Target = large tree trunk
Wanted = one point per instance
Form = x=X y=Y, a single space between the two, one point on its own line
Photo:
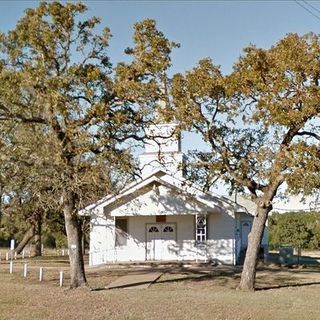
x=25 y=240
x=84 y=232
x=1 y=195
x=73 y=228
x=83 y=241
x=37 y=235
x=248 y=275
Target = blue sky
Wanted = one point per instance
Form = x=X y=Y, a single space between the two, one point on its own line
x=216 y=29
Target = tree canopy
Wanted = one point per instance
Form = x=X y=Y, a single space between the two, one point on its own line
x=75 y=113
x=69 y=118
x=261 y=124
x=295 y=228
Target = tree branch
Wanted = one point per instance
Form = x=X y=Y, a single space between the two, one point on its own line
x=307 y=133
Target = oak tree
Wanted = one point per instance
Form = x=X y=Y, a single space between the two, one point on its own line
x=56 y=75
x=261 y=124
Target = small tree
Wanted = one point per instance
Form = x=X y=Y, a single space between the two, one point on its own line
x=56 y=75
x=257 y=122
x=295 y=228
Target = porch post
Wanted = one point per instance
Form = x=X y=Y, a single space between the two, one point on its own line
x=195 y=236
x=115 y=236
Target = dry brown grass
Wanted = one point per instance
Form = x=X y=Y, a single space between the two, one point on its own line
x=181 y=293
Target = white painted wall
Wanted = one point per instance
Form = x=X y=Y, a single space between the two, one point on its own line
x=101 y=238
x=221 y=232
x=219 y=245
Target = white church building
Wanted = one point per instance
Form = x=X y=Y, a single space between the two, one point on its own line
x=163 y=217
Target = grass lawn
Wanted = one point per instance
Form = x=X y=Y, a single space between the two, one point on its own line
x=182 y=292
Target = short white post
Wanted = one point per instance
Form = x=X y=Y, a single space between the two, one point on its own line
x=15 y=255
x=41 y=274
x=63 y=252
x=7 y=256
x=25 y=270
x=11 y=267
x=61 y=279
x=23 y=254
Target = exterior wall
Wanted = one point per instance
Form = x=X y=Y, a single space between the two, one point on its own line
x=219 y=246
x=101 y=238
x=221 y=232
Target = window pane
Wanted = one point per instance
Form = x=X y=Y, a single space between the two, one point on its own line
x=121 y=231
x=201 y=223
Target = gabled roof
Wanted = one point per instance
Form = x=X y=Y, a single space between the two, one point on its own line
x=161 y=177
x=242 y=204
x=113 y=197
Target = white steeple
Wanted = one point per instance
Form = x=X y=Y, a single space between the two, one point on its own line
x=162 y=150
x=162 y=147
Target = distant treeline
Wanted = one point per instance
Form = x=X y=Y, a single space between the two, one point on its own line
x=296 y=229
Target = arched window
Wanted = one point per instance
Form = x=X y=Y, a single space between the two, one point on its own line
x=167 y=229
x=153 y=229
x=201 y=229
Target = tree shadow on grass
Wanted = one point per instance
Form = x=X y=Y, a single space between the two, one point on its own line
x=295 y=259
x=182 y=275
x=292 y=285
x=186 y=278
x=268 y=277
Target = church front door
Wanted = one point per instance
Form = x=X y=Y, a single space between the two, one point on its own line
x=160 y=241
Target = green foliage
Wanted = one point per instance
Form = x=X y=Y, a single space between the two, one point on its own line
x=261 y=126
x=295 y=228
x=73 y=114
x=261 y=122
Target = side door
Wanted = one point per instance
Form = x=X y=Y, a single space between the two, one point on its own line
x=245 y=230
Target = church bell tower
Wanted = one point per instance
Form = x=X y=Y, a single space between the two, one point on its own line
x=162 y=150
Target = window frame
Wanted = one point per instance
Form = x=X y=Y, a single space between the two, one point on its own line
x=201 y=231
x=121 y=235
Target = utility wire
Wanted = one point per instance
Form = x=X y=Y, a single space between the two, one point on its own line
x=311 y=6
x=307 y=9
x=297 y=210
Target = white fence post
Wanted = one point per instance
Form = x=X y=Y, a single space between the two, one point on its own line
x=25 y=270
x=61 y=279
x=41 y=274
x=23 y=254
x=11 y=267
x=7 y=256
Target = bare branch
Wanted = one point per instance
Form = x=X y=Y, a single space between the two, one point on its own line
x=308 y=133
